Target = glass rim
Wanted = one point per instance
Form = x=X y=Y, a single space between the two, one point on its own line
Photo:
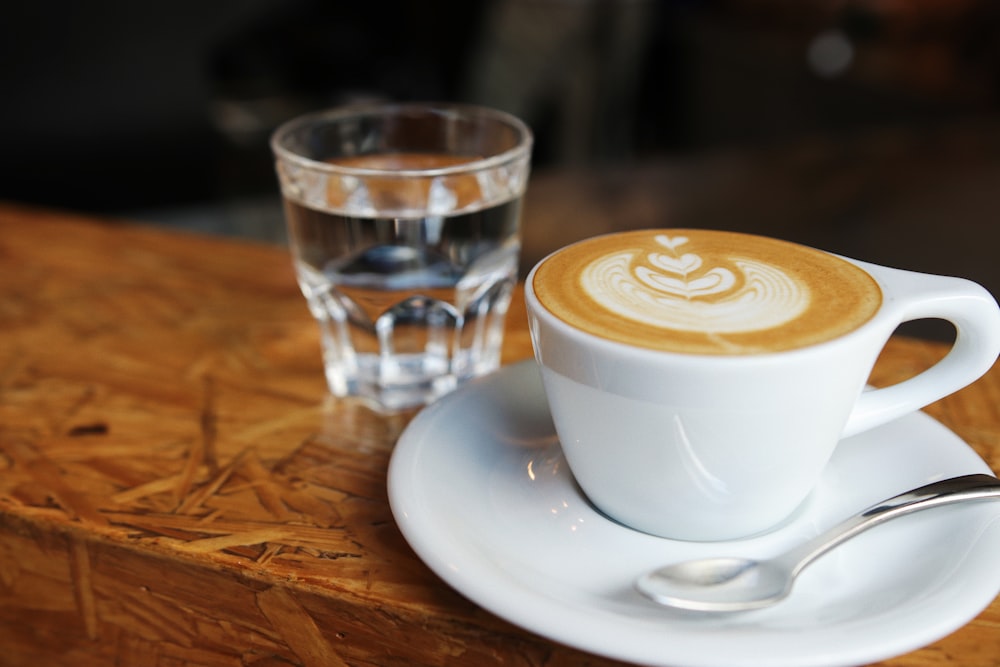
x=521 y=149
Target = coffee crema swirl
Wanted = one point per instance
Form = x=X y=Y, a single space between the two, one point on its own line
x=705 y=292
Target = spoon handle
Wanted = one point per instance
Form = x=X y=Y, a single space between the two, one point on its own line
x=944 y=492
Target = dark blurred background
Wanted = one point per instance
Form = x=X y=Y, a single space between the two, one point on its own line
x=868 y=127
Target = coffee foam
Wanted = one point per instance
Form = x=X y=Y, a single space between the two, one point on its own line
x=705 y=292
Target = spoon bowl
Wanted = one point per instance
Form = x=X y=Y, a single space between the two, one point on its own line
x=729 y=584
x=718 y=584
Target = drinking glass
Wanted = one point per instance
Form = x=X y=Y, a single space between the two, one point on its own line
x=403 y=222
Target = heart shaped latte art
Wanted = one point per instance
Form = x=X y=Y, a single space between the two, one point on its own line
x=683 y=266
x=713 y=302
x=715 y=281
x=672 y=242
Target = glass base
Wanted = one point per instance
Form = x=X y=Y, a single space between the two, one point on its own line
x=402 y=381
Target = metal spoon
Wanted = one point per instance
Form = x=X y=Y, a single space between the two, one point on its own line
x=738 y=584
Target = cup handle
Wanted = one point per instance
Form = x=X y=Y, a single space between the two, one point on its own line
x=976 y=317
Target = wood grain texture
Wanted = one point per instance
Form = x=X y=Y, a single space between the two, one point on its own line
x=177 y=487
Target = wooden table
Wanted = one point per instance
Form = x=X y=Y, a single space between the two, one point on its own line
x=177 y=488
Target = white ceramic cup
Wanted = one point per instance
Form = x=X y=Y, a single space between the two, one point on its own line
x=698 y=446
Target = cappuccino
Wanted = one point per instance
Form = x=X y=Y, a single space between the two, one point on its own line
x=653 y=348
x=705 y=292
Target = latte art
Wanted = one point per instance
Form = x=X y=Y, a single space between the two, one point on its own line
x=671 y=290
x=705 y=292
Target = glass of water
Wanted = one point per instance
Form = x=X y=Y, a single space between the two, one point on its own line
x=403 y=222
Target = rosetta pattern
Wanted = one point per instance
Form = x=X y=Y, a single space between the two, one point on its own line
x=676 y=290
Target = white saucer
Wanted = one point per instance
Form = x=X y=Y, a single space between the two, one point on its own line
x=480 y=490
